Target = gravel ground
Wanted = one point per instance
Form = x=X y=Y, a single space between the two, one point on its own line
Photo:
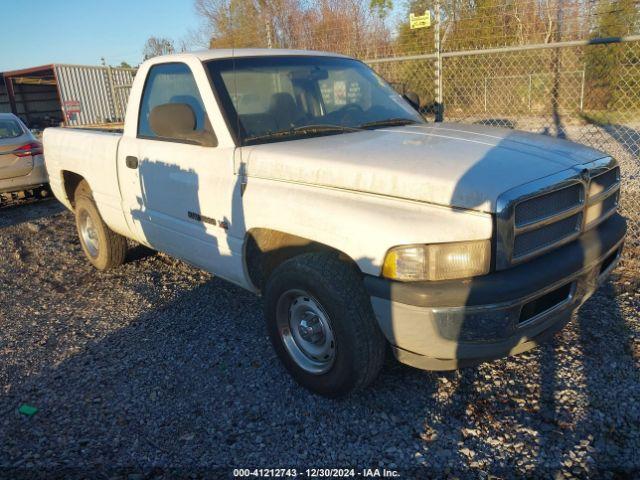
x=158 y=368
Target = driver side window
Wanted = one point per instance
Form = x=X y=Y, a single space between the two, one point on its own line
x=171 y=84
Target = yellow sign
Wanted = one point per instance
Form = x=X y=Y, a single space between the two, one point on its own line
x=420 y=21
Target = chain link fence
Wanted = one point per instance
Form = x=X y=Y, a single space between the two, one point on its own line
x=553 y=89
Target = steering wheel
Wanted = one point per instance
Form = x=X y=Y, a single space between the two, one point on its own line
x=347 y=111
x=350 y=106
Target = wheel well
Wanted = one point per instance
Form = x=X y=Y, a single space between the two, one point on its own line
x=71 y=181
x=265 y=249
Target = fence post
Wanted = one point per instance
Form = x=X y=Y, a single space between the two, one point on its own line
x=114 y=100
x=267 y=26
x=485 y=94
x=584 y=74
x=530 y=92
x=438 y=65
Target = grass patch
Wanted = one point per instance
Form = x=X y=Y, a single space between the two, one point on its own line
x=603 y=117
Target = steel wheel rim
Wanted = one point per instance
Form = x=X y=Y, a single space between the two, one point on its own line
x=89 y=234
x=306 y=331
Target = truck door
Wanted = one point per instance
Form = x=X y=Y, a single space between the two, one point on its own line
x=177 y=180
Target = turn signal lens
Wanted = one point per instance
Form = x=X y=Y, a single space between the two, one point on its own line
x=439 y=261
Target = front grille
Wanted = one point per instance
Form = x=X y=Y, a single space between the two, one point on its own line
x=544 y=206
x=543 y=237
x=609 y=204
x=604 y=181
x=542 y=215
x=603 y=196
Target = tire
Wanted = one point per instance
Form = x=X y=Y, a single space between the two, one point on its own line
x=104 y=248
x=329 y=296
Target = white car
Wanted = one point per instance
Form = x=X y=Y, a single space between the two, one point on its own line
x=306 y=178
x=22 y=166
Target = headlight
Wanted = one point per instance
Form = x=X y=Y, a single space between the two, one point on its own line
x=439 y=261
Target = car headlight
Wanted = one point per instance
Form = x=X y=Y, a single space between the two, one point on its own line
x=439 y=261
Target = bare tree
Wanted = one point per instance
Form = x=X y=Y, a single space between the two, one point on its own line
x=156 y=46
x=348 y=26
x=194 y=39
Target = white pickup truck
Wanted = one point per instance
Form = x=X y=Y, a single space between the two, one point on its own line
x=305 y=177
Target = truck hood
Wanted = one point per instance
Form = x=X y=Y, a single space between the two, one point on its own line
x=463 y=166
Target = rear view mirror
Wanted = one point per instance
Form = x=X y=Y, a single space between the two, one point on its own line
x=177 y=121
x=414 y=99
x=312 y=74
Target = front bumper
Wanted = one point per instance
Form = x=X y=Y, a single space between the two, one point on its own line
x=36 y=178
x=455 y=323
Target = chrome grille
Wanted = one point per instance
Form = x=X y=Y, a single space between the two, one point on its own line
x=538 y=208
x=533 y=240
x=604 y=181
x=610 y=203
x=601 y=208
x=547 y=213
x=604 y=190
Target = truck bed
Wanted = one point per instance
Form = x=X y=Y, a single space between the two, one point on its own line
x=102 y=127
x=91 y=154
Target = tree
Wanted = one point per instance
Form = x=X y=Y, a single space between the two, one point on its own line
x=125 y=65
x=345 y=26
x=381 y=7
x=249 y=23
x=156 y=46
x=604 y=79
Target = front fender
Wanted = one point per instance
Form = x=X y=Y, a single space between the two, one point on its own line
x=363 y=226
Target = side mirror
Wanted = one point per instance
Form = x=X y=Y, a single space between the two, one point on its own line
x=177 y=121
x=414 y=99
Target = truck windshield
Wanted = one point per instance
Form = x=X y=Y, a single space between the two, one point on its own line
x=268 y=99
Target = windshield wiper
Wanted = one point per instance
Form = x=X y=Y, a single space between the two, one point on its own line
x=302 y=130
x=389 y=122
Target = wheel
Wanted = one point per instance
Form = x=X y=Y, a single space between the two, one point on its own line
x=322 y=326
x=104 y=248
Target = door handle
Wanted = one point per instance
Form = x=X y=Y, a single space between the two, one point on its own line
x=132 y=162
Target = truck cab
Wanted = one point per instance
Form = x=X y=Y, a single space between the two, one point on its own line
x=305 y=178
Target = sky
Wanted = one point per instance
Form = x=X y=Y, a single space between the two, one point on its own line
x=40 y=32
